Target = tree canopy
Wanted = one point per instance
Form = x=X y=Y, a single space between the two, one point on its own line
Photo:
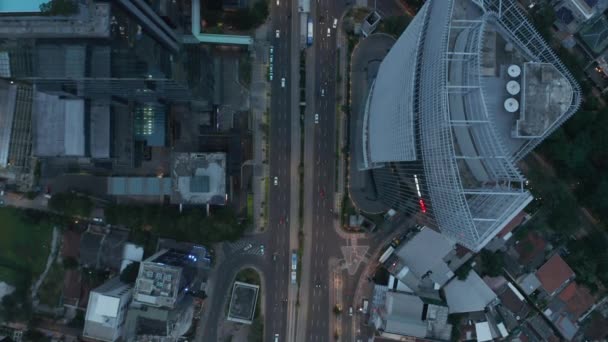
x=190 y=225
x=71 y=204
x=59 y=7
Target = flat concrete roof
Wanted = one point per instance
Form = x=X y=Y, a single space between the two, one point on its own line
x=242 y=303
x=547 y=95
x=199 y=178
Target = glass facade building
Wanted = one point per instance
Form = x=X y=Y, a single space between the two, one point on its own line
x=468 y=90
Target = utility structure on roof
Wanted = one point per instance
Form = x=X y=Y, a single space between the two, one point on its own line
x=469 y=89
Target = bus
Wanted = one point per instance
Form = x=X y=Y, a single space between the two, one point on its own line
x=309 y=32
x=386 y=254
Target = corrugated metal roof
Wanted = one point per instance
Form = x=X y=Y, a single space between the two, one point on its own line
x=139 y=186
x=199 y=184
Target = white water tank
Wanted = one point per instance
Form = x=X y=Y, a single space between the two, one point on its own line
x=513 y=87
x=514 y=70
x=511 y=105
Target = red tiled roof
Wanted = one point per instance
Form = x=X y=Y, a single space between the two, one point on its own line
x=530 y=247
x=554 y=273
x=70 y=243
x=71 y=285
x=578 y=299
x=515 y=222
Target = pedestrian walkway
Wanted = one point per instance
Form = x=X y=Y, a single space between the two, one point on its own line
x=49 y=262
x=259 y=97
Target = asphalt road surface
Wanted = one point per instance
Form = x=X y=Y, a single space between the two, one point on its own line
x=277 y=274
x=325 y=242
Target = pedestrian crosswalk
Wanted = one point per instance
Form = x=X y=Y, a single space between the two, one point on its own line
x=245 y=247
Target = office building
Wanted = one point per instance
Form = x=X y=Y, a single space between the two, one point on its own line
x=107 y=311
x=104 y=78
x=164 y=278
x=467 y=91
x=162 y=309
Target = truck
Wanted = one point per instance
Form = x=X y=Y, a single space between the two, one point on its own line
x=309 y=31
x=294 y=260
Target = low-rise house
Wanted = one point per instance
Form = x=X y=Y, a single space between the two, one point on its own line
x=554 y=275
x=512 y=299
x=530 y=251
x=529 y=283
x=568 y=307
x=102 y=247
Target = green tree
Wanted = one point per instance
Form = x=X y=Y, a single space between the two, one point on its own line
x=395 y=25
x=256 y=330
x=70 y=263
x=260 y=12
x=543 y=17
x=71 y=204
x=492 y=263
x=337 y=310
x=129 y=274
x=463 y=271
x=59 y=7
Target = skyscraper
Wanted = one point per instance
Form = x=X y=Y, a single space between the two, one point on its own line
x=468 y=90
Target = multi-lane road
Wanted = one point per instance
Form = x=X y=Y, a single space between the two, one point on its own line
x=280 y=292
x=320 y=151
x=310 y=319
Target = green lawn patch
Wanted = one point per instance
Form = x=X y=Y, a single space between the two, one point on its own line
x=51 y=288
x=25 y=243
x=250 y=206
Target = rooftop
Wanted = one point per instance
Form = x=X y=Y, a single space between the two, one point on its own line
x=243 y=302
x=59 y=126
x=139 y=186
x=578 y=299
x=529 y=283
x=162 y=277
x=408 y=315
x=199 y=178
x=530 y=248
x=104 y=314
x=469 y=295
x=547 y=95
x=91 y=21
x=424 y=255
x=512 y=299
x=595 y=33
x=554 y=273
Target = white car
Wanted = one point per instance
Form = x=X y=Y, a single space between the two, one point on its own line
x=277 y=33
x=283 y=82
x=276 y=336
x=335 y=23
x=322 y=92
x=316 y=118
x=271 y=59
x=328 y=32
x=248 y=247
x=277 y=2
x=276 y=180
x=293 y=277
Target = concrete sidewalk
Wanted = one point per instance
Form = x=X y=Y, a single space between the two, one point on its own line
x=260 y=100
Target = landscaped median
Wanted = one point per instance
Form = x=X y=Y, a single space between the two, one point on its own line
x=243 y=306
